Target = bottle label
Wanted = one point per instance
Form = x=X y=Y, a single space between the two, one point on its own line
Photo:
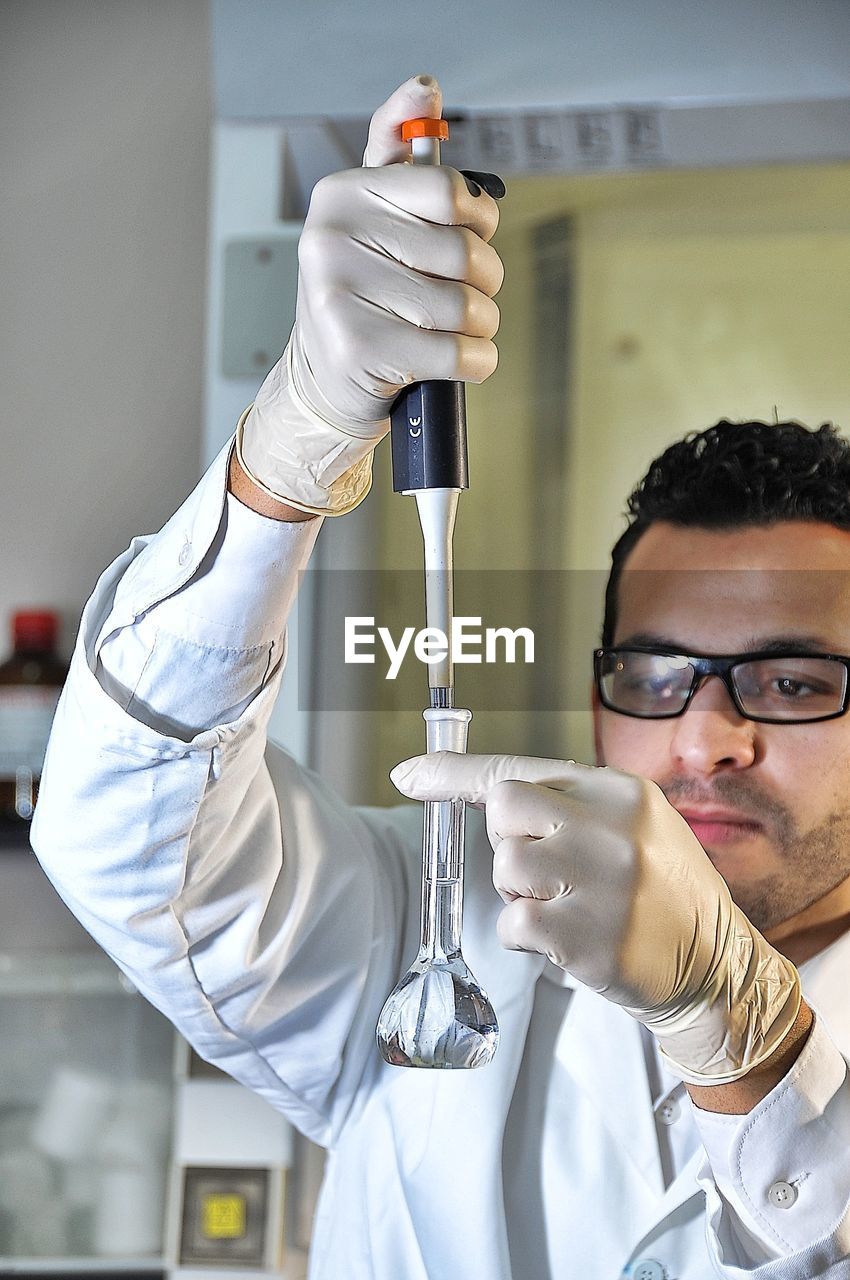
x=26 y=714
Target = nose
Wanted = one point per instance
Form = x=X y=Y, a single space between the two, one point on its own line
x=712 y=735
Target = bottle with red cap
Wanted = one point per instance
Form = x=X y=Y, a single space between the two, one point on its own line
x=30 y=682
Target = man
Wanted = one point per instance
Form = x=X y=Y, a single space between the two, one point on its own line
x=664 y=1102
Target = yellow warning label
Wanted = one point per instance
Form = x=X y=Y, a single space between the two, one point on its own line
x=223 y=1217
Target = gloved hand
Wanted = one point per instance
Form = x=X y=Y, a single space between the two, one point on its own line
x=395 y=285
x=604 y=877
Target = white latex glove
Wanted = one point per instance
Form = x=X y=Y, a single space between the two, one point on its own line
x=395 y=285
x=605 y=878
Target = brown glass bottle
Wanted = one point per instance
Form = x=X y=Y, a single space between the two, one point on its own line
x=30 y=683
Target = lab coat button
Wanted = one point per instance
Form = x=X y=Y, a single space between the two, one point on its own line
x=669 y=1111
x=185 y=553
x=782 y=1195
x=647 y=1269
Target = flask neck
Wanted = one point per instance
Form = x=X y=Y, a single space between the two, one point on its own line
x=442 y=879
x=442 y=916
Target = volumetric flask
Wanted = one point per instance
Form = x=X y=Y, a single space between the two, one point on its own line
x=437 y=1015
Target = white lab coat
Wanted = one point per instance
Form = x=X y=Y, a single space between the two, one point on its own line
x=269 y=921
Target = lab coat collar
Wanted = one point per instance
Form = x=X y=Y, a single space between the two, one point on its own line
x=822 y=978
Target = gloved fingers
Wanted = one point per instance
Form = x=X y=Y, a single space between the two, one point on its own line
x=448 y=253
x=526 y=924
x=447 y=775
x=391 y=352
x=473 y=359
x=525 y=809
x=333 y=266
x=479 y=265
x=446 y=306
x=525 y=867
x=417 y=98
x=446 y=357
x=424 y=302
x=366 y=199
x=435 y=193
x=368 y=275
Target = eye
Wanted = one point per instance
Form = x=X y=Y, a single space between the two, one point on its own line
x=815 y=681
x=660 y=685
x=788 y=687
x=652 y=675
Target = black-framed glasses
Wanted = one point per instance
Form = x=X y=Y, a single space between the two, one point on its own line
x=775 y=688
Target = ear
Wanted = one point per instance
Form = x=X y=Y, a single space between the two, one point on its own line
x=596 y=707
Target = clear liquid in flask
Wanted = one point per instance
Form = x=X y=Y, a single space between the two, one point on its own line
x=438 y=1016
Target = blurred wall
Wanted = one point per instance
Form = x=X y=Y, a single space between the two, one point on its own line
x=274 y=58
x=105 y=108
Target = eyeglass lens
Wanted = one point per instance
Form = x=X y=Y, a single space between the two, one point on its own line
x=776 y=688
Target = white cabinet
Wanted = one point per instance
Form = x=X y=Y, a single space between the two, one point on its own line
x=85 y=1117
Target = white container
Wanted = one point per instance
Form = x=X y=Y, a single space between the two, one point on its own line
x=129 y=1210
x=26 y=1179
x=72 y=1113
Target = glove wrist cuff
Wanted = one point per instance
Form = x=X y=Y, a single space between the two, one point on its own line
x=296 y=456
x=735 y=1029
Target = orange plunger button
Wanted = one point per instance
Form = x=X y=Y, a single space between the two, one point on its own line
x=425 y=128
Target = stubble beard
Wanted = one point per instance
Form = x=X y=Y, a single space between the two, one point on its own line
x=810 y=863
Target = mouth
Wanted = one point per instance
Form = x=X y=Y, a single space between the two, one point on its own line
x=720 y=826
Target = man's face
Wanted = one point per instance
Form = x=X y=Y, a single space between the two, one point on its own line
x=770 y=803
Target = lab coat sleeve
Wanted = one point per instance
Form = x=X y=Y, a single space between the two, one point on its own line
x=777 y=1181
x=246 y=901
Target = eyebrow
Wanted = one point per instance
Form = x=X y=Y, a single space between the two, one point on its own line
x=755 y=644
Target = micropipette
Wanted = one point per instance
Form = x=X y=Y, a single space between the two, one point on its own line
x=437 y=1015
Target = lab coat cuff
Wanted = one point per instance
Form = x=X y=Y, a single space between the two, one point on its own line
x=784 y=1169
x=156 y=565
x=102 y=720
x=240 y=596
x=218 y=573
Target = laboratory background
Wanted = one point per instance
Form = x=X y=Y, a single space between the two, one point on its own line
x=676 y=237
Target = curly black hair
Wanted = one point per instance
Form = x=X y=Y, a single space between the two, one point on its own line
x=734 y=475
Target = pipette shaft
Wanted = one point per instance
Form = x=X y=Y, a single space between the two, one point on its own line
x=429 y=461
x=437 y=1015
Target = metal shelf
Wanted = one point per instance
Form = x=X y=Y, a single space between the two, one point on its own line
x=82 y=1266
